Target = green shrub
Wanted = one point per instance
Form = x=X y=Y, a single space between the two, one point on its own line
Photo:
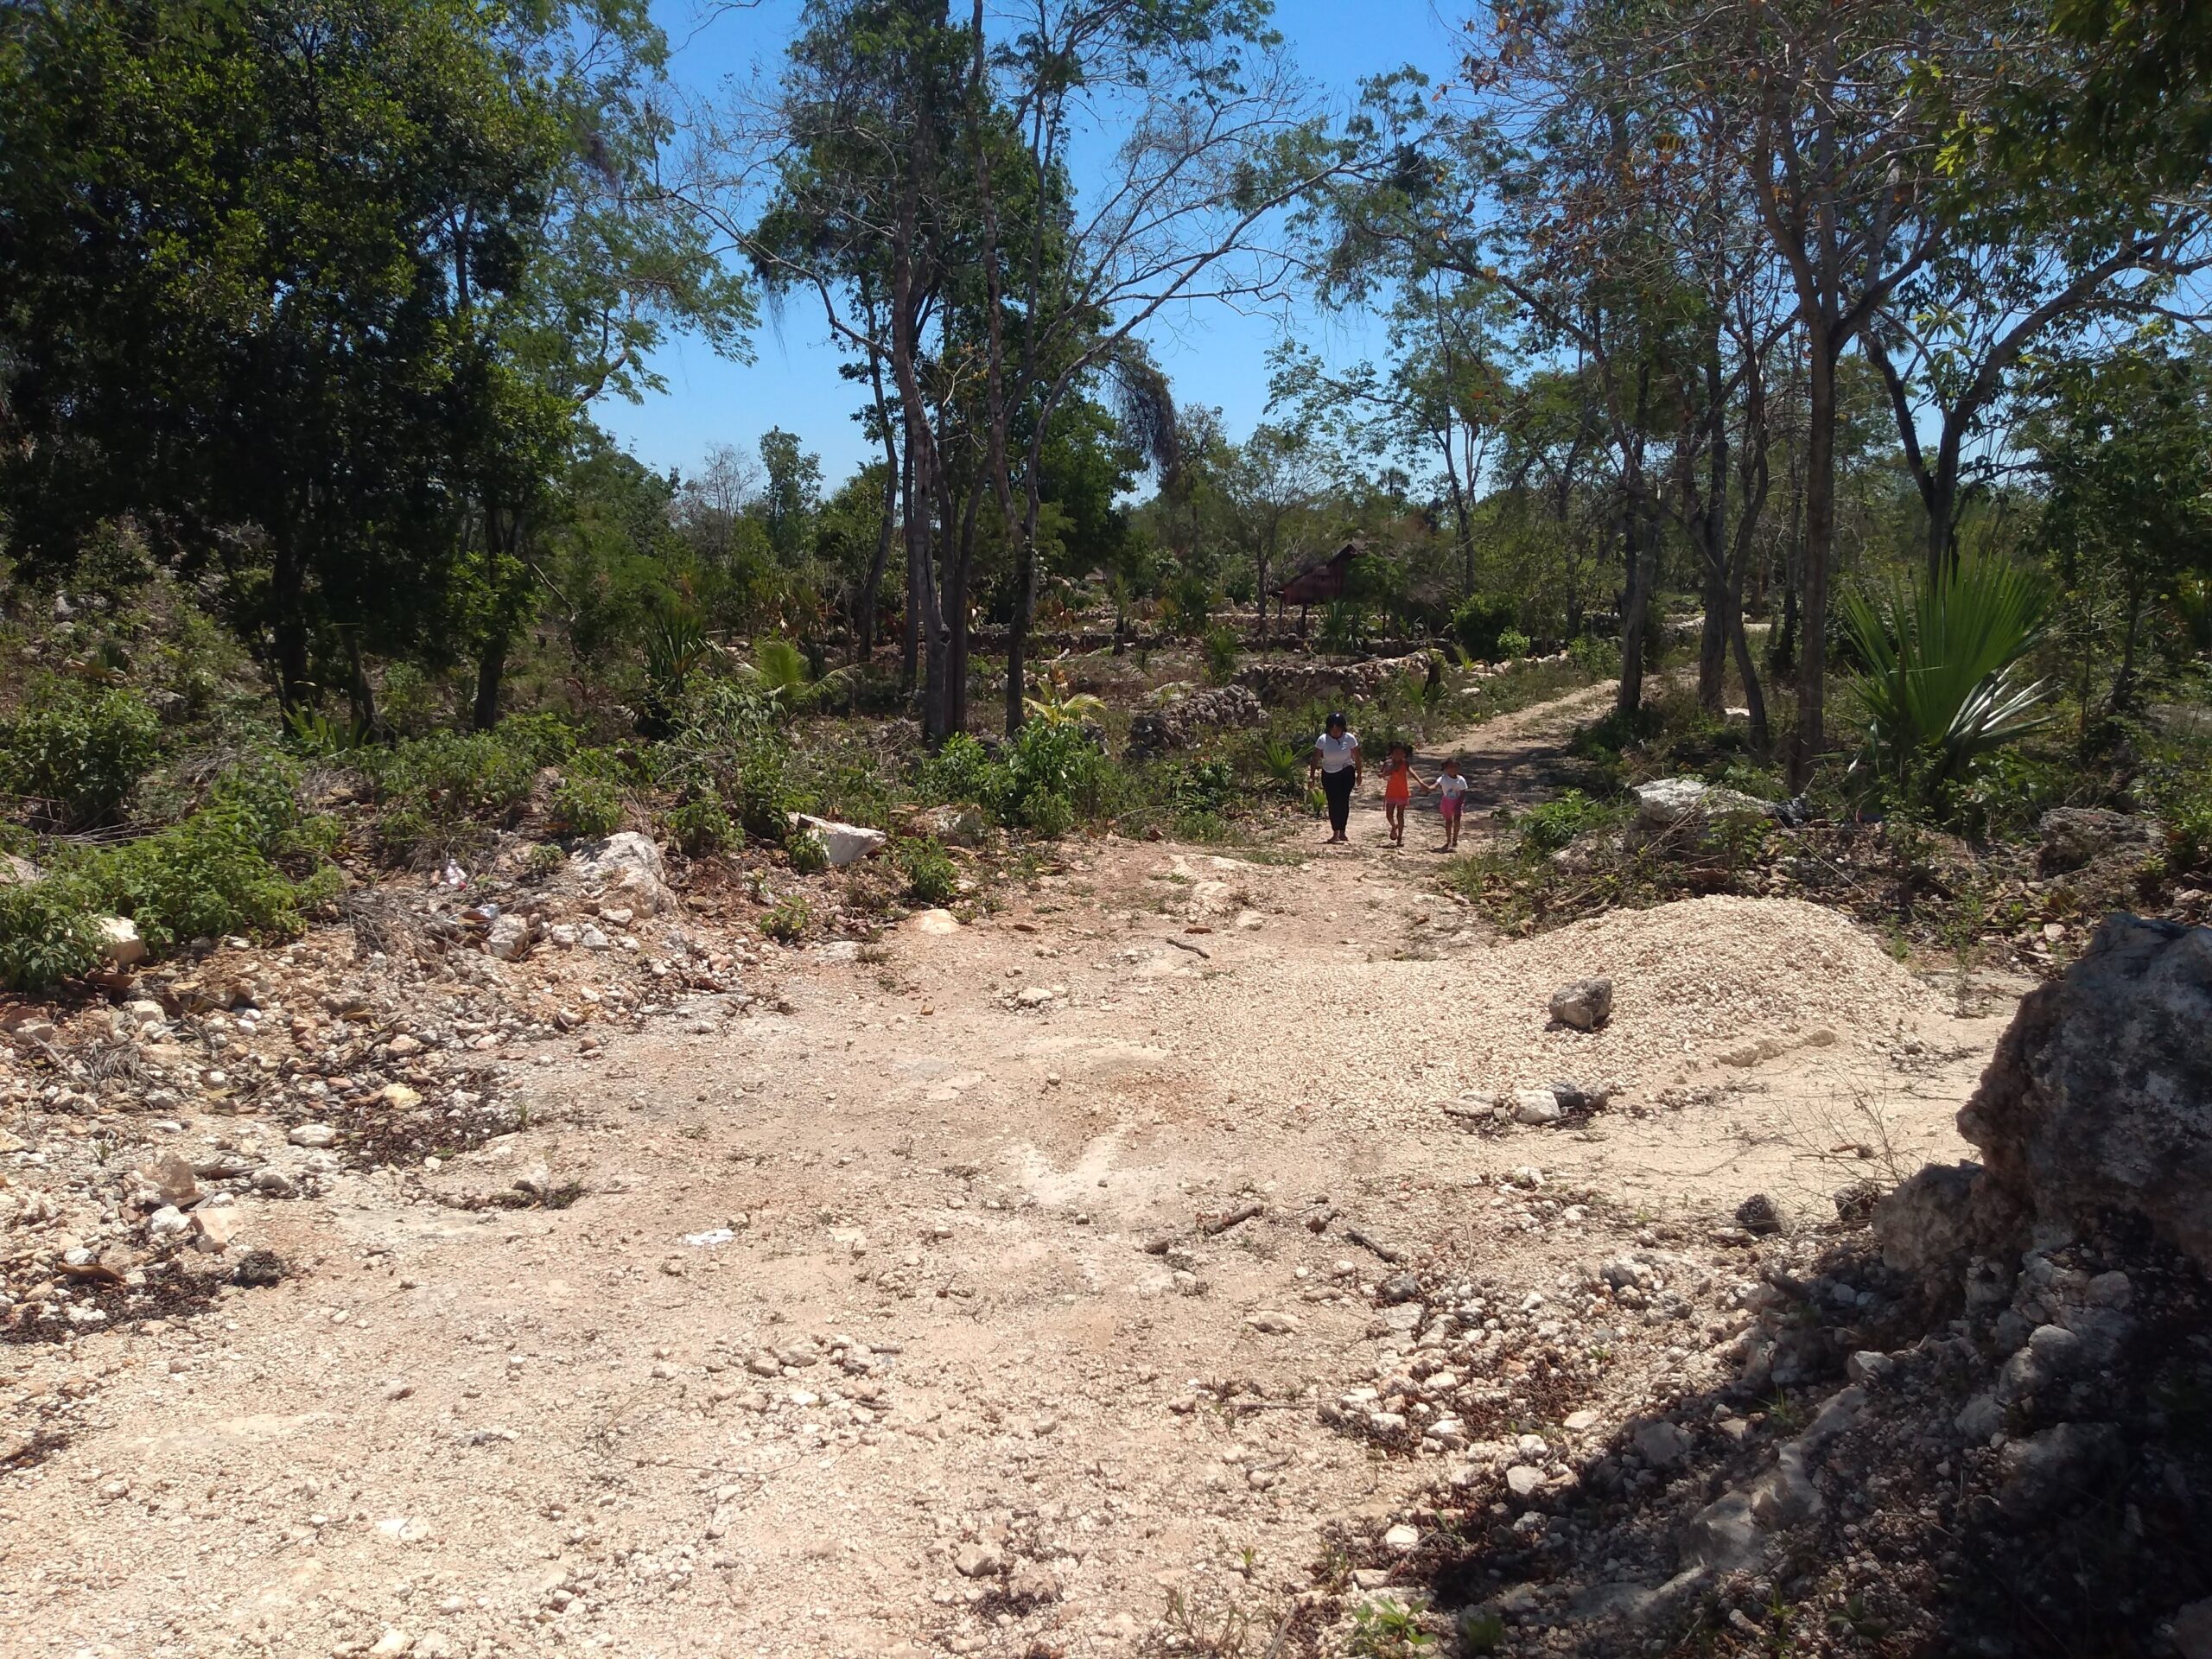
x=48 y=932
x=1053 y=759
x=214 y=873
x=1187 y=605
x=1547 y=828
x=761 y=794
x=728 y=742
x=1199 y=786
x=807 y=854
x=1221 y=655
x=1388 y=1629
x=961 y=770
x=787 y=920
x=1480 y=624
x=320 y=734
x=1048 y=812
x=2012 y=790
x=545 y=860
x=449 y=777
x=1514 y=642
x=1344 y=625
x=584 y=806
x=722 y=718
x=542 y=740
x=675 y=647
x=700 y=827
x=2176 y=785
x=932 y=877
x=83 y=752
x=1599 y=658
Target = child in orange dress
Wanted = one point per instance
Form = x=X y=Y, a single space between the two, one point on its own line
x=1398 y=781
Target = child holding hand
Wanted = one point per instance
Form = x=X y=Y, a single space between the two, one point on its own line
x=1398 y=780
x=1451 y=788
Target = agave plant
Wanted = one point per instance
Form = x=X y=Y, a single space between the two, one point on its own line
x=676 y=643
x=1285 y=764
x=1942 y=685
x=1343 y=624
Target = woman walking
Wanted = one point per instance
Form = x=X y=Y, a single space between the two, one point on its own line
x=1336 y=759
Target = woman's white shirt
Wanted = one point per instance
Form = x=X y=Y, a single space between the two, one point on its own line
x=1338 y=753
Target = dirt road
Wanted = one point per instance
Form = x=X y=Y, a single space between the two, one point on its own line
x=853 y=1343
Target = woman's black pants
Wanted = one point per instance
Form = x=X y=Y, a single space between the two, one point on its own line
x=1336 y=786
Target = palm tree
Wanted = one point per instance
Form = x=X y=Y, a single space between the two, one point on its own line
x=1943 y=686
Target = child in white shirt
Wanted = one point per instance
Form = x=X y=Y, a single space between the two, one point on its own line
x=1450 y=800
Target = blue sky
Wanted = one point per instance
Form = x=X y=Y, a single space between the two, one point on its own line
x=1215 y=356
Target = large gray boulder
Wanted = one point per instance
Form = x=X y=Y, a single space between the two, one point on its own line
x=625 y=869
x=2073 y=837
x=2099 y=1095
x=1665 y=802
x=1933 y=1222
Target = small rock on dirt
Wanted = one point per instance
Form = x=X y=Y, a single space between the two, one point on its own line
x=953 y=825
x=312 y=1136
x=171 y=1177
x=1661 y=1444
x=258 y=1268
x=212 y=1229
x=2072 y=836
x=1398 y=1287
x=1033 y=1585
x=119 y=942
x=2042 y=1471
x=978 y=1561
x=1536 y=1106
x=842 y=843
x=508 y=939
x=1756 y=1215
x=1583 y=1005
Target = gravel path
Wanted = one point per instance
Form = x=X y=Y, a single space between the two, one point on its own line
x=854 y=1343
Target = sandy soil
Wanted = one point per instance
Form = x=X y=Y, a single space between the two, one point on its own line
x=852 y=1345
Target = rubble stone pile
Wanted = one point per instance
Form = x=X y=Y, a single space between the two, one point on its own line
x=1302 y=681
x=1974 y=1424
x=1183 y=721
x=148 y=1135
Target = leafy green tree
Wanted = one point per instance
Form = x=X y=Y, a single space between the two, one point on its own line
x=791 y=495
x=2124 y=444
x=318 y=288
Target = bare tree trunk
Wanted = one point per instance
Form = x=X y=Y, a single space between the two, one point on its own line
x=287 y=590
x=956 y=613
x=491 y=677
x=361 y=695
x=1635 y=604
x=1820 y=543
x=864 y=618
x=910 y=643
x=1712 y=538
